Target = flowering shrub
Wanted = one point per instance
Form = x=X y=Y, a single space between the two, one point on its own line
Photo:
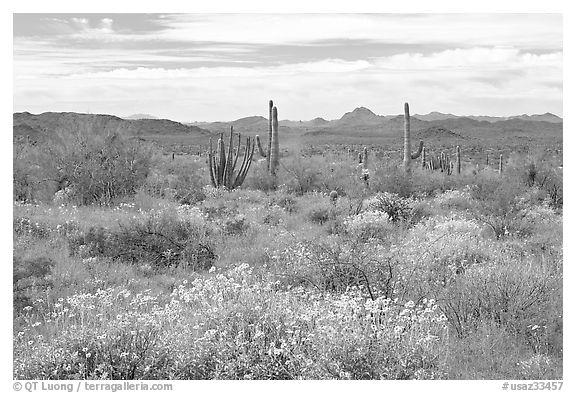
x=229 y=326
x=24 y=226
x=396 y=207
x=369 y=224
x=435 y=251
x=455 y=199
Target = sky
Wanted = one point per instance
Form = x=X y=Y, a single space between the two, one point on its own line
x=208 y=67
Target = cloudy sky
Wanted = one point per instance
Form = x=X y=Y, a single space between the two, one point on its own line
x=206 y=67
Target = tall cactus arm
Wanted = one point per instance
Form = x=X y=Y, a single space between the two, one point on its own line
x=244 y=161
x=237 y=152
x=270 y=113
x=418 y=152
x=260 y=150
x=211 y=164
x=218 y=181
x=221 y=159
x=248 y=155
x=228 y=173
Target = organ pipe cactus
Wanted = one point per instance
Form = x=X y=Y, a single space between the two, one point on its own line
x=222 y=165
x=440 y=162
x=408 y=155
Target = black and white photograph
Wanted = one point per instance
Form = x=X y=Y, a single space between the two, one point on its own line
x=287 y=196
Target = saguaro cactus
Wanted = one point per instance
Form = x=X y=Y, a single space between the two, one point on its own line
x=500 y=165
x=275 y=143
x=458 y=162
x=221 y=165
x=272 y=155
x=270 y=106
x=408 y=155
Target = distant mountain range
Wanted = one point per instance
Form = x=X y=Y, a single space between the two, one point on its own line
x=361 y=122
x=548 y=117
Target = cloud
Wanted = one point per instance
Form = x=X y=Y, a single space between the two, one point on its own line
x=521 y=30
x=190 y=67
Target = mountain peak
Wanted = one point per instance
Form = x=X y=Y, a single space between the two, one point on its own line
x=363 y=110
x=361 y=113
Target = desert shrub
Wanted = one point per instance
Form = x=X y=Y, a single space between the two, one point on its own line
x=96 y=241
x=25 y=226
x=274 y=215
x=160 y=240
x=319 y=214
x=340 y=175
x=317 y=208
x=513 y=295
x=23 y=179
x=435 y=252
x=181 y=180
x=259 y=178
x=235 y=226
x=421 y=210
x=389 y=177
x=535 y=170
x=96 y=169
x=553 y=184
x=395 y=207
x=30 y=176
x=493 y=352
x=339 y=262
x=454 y=200
x=30 y=276
x=286 y=202
x=303 y=175
x=369 y=225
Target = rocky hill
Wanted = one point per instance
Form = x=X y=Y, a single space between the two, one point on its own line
x=61 y=125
